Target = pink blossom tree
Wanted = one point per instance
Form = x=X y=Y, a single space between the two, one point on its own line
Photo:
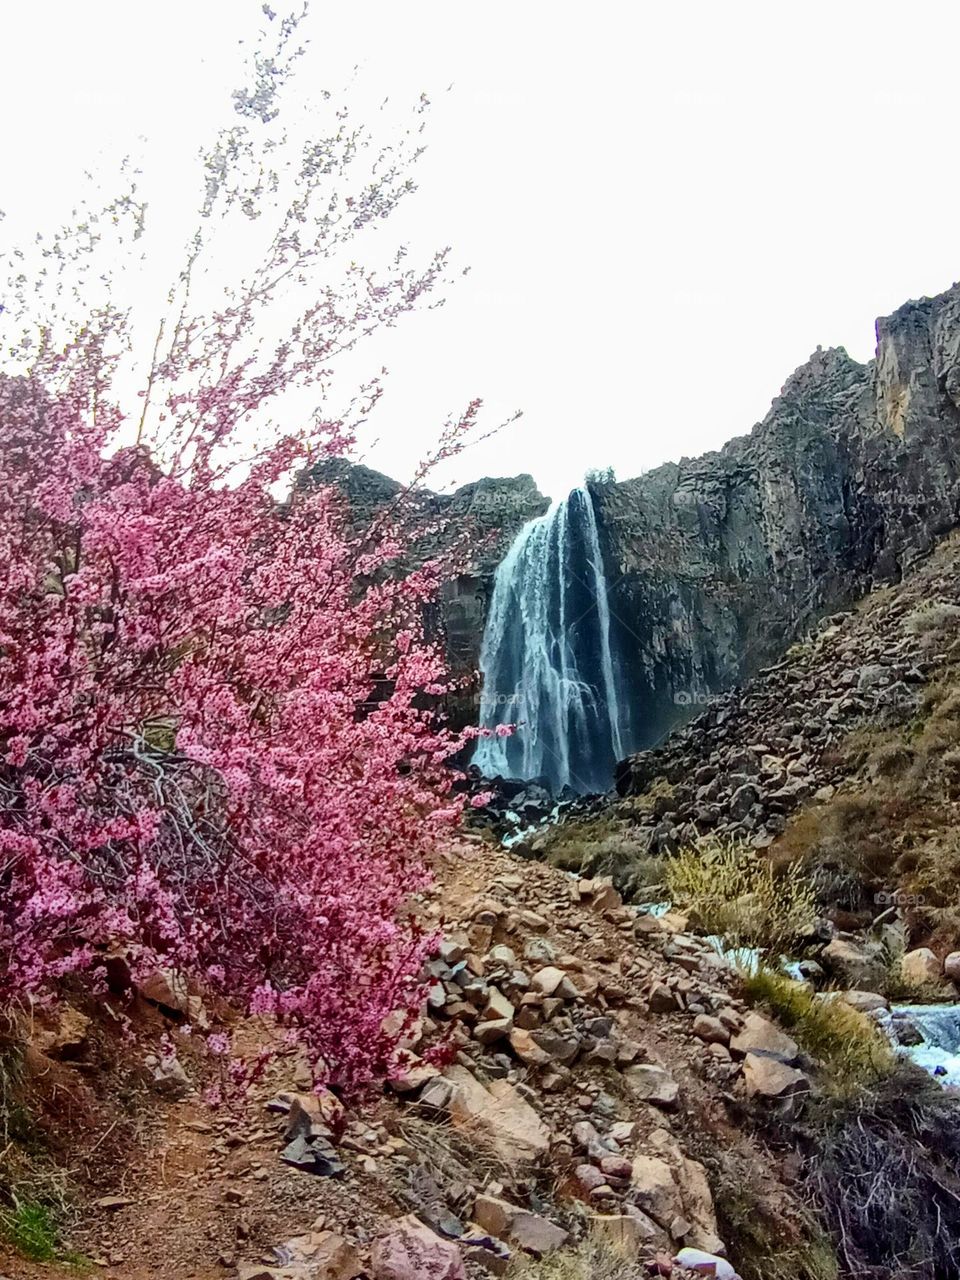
x=216 y=748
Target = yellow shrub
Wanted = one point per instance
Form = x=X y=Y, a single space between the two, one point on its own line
x=732 y=890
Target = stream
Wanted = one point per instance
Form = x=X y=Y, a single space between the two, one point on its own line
x=937 y=1030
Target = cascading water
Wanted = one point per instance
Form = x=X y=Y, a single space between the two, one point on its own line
x=934 y=1042
x=547 y=658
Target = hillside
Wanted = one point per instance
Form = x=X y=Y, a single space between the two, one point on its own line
x=605 y=1069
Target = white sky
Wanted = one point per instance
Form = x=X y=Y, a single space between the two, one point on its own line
x=665 y=207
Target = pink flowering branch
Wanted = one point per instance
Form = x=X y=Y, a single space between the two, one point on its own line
x=217 y=748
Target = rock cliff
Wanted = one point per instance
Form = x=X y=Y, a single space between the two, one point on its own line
x=717 y=563
x=490 y=512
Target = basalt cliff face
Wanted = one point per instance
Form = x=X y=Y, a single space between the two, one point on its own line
x=717 y=563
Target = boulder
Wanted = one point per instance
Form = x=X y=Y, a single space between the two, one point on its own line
x=559 y=1046
x=652 y=1084
x=323 y=1255
x=920 y=967
x=624 y=1233
x=412 y=1073
x=859 y=966
x=521 y=1227
x=616 y=1167
x=527 y=1050
x=864 y=1001
x=508 y=1120
x=313 y=1115
x=490 y=1032
x=772 y=1078
x=550 y=981
x=654 y=1188
x=951 y=966
x=661 y=999
x=698 y=1206
x=411 y=1251
x=710 y=1029
x=497 y=1005
x=588 y=1177
x=759 y=1035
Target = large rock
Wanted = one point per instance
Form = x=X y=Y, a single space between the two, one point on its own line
x=857 y=965
x=521 y=1227
x=920 y=967
x=625 y=1233
x=652 y=1084
x=864 y=1001
x=771 y=1078
x=760 y=1036
x=499 y=1111
x=321 y=1255
x=411 y=1251
x=698 y=1206
x=654 y=1188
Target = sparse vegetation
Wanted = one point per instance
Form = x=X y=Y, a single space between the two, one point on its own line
x=885 y=1170
x=775 y=1239
x=605 y=846
x=732 y=890
x=30 y=1228
x=588 y=1261
x=893 y=827
x=853 y=1054
x=933 y=615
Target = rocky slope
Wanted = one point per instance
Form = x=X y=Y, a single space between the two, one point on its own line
x=840 y=763
x=601 y=1066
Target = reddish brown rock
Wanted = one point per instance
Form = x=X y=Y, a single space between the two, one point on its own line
x=411 y=1251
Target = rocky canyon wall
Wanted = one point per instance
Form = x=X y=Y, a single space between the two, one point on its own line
x=717 y=563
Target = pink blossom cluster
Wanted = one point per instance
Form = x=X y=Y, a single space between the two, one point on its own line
x=216 y=748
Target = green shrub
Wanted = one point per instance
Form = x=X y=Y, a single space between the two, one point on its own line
x=732 y=890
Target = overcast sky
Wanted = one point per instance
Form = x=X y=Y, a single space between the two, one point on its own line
x=665 y=207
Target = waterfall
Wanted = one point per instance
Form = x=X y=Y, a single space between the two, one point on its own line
x=547 y=660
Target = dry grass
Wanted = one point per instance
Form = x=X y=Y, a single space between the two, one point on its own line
x=885 y=1170
x=895 y=826
x=732 y=890
x=590 y=1260
x=931 y=616
x=454 y=1153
